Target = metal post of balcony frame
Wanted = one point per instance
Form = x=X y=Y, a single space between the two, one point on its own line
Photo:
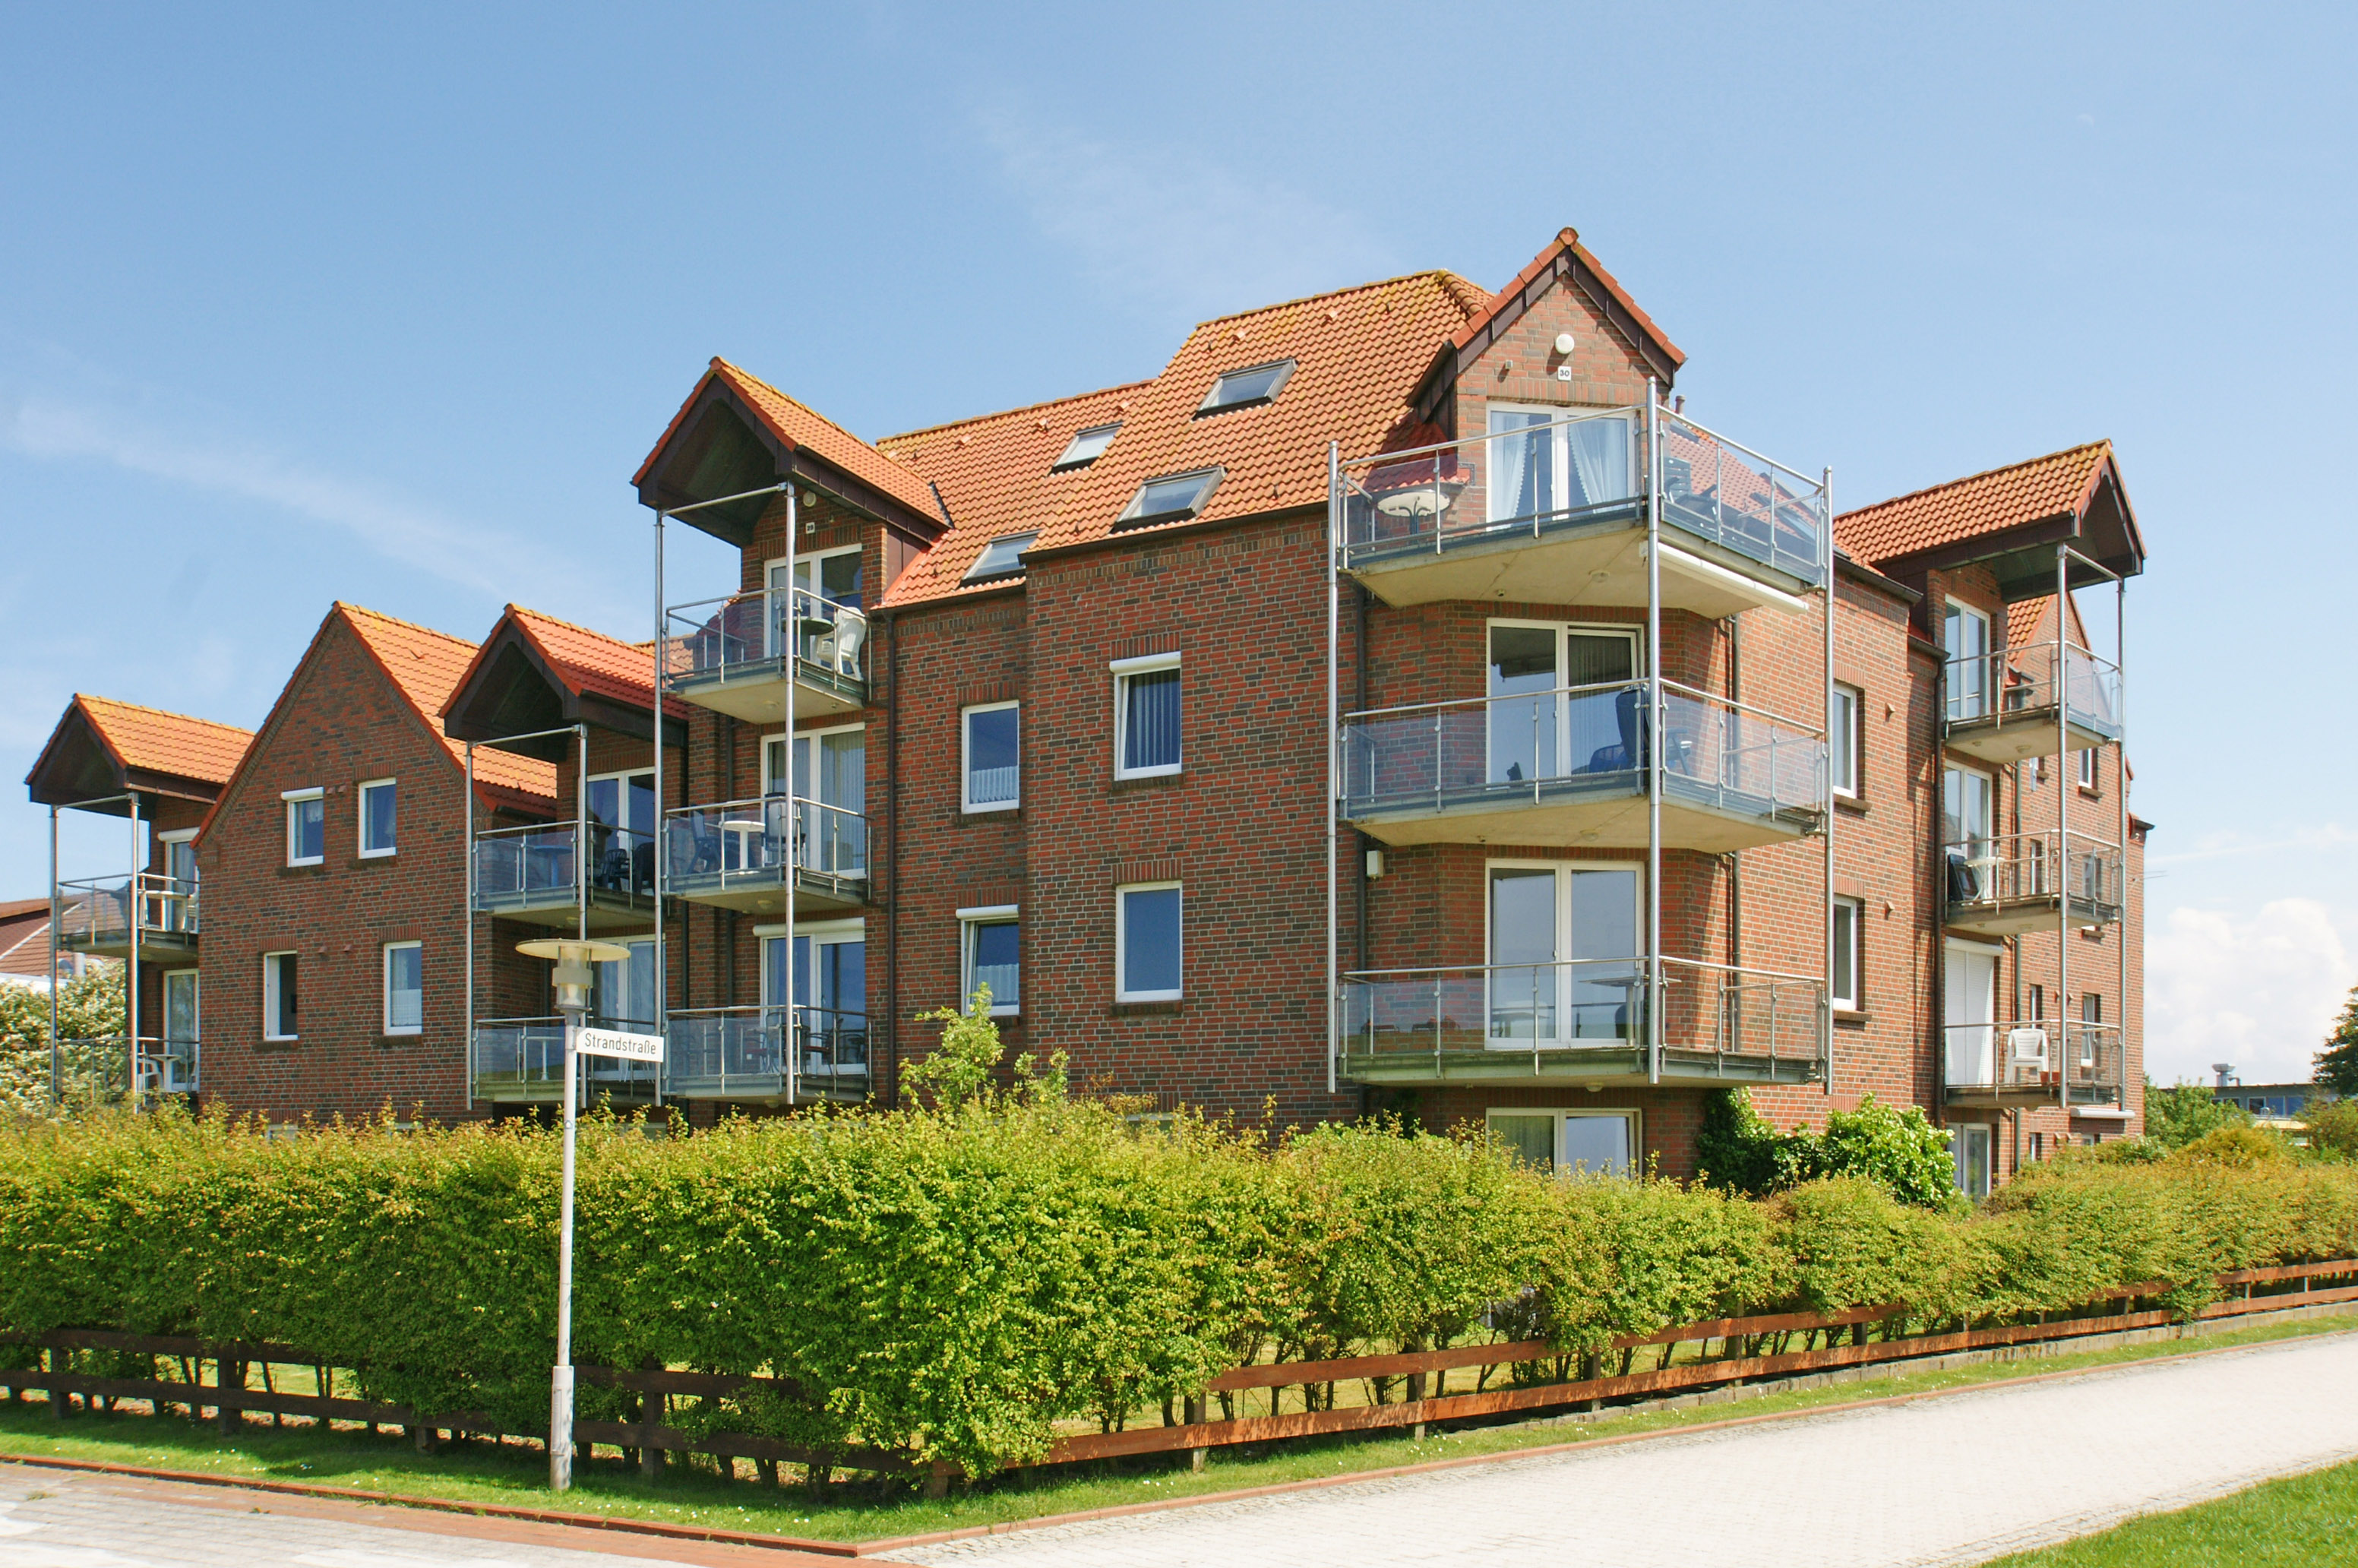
x=131 y=911
x=2121 y=789
x=1826 y=798
x=1334 y=748
x=580 y=733
x=1655 y=716
x=2066 y=780
x=56 y=1092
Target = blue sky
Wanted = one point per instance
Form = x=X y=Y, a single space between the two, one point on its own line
x=308 y=302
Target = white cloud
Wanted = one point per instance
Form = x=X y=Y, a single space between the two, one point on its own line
x=463 y=553
x=2259 y=990
x=1169 y=230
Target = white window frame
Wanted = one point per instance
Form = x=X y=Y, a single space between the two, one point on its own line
x=384 y=985
x=1122 y=942
x=294 y=797
x=966 y=765
x=978 y=916
x=1564 y=630
x=178 y=836
x=1560 y=419
x=1285 y=369
x=1123 y=669
x=1849 y=988
x=1985 y=701
x=1561 y=964
x=2086 y=771
x=1852 y=732
x=1988 y=834
x=1630 y=1114
x=271 y=998
x=1961 y=1134
x=196 y=1004
x=1066 y=459
x=360 y=825
x=771 y=745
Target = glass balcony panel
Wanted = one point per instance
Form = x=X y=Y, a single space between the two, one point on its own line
x=524 y=1058
x=756 y=840
x=98 y=913
x=746 y=1053
x=2035 y=1058
x=1535 y=471
x=746 y=633
x=1991 y=874
x=2009 y=683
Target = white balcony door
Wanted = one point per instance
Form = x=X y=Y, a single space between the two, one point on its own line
x=1535 y=731
x=1563 y=954
x=830 y=768
x=1969 y=1013
x=624 y=989
x=1965 y=634
x=1541 y=468
x=180 y=1021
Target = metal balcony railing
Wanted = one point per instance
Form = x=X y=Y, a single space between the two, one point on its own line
x=745 y=1052
x=2069 y=1059
x=753 y=842
x=2005 y=687
x=1557 y=745
x=1586 y=1004
x=524 y=1057
x=1588 y=467
x=743 y=635
x=98 y=1066
x=2024 y=868
x=536 y=866
x=98 y=912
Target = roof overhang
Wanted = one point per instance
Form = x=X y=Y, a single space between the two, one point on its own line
x=512 y=688
x=2102 y=528
x=77 y=767
x=721 y=445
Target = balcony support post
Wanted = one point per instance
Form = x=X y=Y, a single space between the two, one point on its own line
x=468 y=923
x=2121 y=836
x=655 y=698
x=1653 y=732
x=131 y=912
x=2066 y=777
x=1825 y=1008
x=1334 y=747
x=56 y=1096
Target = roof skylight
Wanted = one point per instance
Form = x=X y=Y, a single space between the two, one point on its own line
x=1246 y=388
x=1172 y=497
x=1003 y=557
x=1086 y=447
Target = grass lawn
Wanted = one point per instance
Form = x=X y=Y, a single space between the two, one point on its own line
x=2302 y=1519
x=514 y=1473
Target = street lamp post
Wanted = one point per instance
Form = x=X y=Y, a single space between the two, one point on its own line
x=572 y=978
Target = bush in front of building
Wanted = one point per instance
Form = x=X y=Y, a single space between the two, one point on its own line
x=89 y=1012
x=1897 y=1149
x=952 y=1281
x=2177 y=1116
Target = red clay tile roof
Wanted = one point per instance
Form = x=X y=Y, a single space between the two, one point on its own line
x=799 y=425
x=2059 y=485
x=1358 y=353
x=153 y=740
x=2031 y=620
x=1566 y=240
x=589 y=660
x=426 y=666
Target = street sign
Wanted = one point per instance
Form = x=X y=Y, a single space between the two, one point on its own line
x=614 y=1043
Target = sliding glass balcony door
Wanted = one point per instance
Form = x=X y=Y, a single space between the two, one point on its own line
x=1563 y=954
x=1543 y=721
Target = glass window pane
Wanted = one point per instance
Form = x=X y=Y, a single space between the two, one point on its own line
x=1842 y=727
x=404 y=988
x=1150 y=940
x=838 y=579
x=1003 y=557
x=1087 y=445
x=1522 y=953
x=1532 y=1138
x=1599 y=449
x=993 y=775
x=1150 y=729
x=180 y=1007
x=1845 y=954
x=377 y=816
x=1522 y=465
x=1605 y=986
x=310 y=835
x=992 y=960
x=1596 y=1145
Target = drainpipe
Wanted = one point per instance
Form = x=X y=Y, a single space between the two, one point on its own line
x=131 y=970
x=1653 y=732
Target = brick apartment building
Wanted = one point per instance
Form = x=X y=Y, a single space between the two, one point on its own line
x=1395 y=704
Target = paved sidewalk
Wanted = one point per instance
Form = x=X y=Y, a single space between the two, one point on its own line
x=1955 y=1479
x=62 y=1519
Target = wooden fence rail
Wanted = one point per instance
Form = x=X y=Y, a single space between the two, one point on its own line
x=1751 y=1348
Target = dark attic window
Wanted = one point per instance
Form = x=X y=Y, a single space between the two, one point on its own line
x=1246 y=388
x=1003 y=557
x=1086 y=447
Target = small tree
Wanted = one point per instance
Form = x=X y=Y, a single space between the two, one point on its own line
x=1897 y=1149
x=2337 y=1064
x=958 y=1071
x=2177 y=1116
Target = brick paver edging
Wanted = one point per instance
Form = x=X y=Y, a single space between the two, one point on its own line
x=448 y=1505
x=1320 y=1483
x=892 y=1543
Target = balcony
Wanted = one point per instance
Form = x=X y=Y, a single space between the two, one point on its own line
x=1568 y=768
x=1555 y=512
x=742 y=1054
x=741 y=855
x=533 y=874
x=2034 y=700
x=755 y=656
x=2003 y=887
x=93 y=1068
x=1581 y=1020
x=2024 y=1063
x=522 y=1061
x=101 y=916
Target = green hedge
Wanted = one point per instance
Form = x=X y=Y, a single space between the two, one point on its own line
x=953 y=1282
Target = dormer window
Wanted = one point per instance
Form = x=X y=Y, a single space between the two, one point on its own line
x=1246 y=388
x=1003 y=557
x=1086 y=447
x=1168 y=498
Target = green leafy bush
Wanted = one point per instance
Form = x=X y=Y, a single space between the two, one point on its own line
x=1897 y=1149
x=2177 y=1116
